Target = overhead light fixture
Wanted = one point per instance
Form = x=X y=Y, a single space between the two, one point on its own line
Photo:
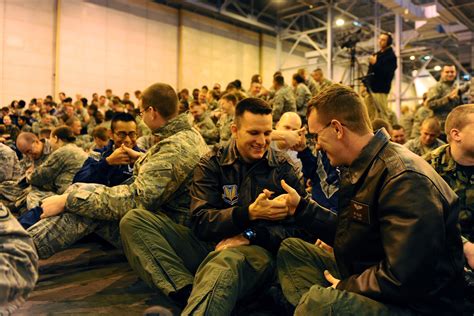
x=427 y=57
x=412 y=57
x=340 y=22
x=406 y=11
x=357 y=23
x=437 y=68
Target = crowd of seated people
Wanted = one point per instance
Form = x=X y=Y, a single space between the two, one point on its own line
x=217 y=196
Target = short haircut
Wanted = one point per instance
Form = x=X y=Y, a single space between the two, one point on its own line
x=46 y=132
x=378 y=123
x=71 y=121
x=252 y=105
x=231 y=97
x=318 y=70
x=67 y=100
x=277 y=73
x=100 y=132
x=432 y=123
x=64 y=133
x=194 y=103
x=279 y=80
x=448 y=65
x=27 y=137
x=255 y=78
x=389 y=38
x=298 y=78
x=121 y=117
x=397 y=127
x=162 y=98
x=109 y=114
x=458 y=118
x=343 y=104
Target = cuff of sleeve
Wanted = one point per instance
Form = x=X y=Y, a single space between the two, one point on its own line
x=301 y=206
x=342 y=284
x=240 y=217
x=262 y=238
x=464 y=240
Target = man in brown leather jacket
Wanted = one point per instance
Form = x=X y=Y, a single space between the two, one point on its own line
x=397 y=247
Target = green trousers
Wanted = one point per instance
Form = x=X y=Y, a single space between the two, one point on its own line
x=168 y=256
x=301 y=268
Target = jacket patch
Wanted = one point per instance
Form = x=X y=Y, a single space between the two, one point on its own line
x=230 y=194
x=359 y=212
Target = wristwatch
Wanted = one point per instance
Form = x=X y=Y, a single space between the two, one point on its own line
x=249 y=234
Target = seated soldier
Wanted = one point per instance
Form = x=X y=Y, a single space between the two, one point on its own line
x=18 y=263
x=159 y=183
x=231 y=207
x=428 y=140
x=398 y=134
x=227 y=104
x=10 y=169
x=203 y=123
x=55 y=175
x=397 y=246
x=112 y=164
x=35 y=152
x=100 y=135
x=289 y=121
x=455 y=163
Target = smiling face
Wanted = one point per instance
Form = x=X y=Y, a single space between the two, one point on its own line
x=253 y=135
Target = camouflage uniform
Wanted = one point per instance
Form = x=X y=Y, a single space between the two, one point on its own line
x=18 y=263
x=312 y=85
x=10 y=169
x=438 y=100
x=55 y=175
x=159 y=184
x=284 y=101
x=84 y=141
x=420 y=115
x=146 y=142
x=207 y=128
x=302 y=95
x=323 y=85
x=463 y=184
x=223 y=125
x=15 y=190
x=418 y=148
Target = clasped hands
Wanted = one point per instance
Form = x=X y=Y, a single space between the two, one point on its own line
x=123 y=156
x=267 y=209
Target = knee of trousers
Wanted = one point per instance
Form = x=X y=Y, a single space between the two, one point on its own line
x=235 y=259
x=133 y=220
x=289 y=246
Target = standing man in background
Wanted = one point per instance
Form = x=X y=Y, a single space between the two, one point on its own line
x=382 y=67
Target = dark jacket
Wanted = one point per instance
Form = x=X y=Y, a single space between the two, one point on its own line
x=397 y=239
x=224 y=186
x=96 y=169
x=383 y=71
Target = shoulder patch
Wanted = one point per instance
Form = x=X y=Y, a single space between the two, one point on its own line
x=230 y=194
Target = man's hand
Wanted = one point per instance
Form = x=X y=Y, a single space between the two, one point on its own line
x=301 y=145
x=321 y=244
x=264 y=208
x=469 y=253
x=373 y=59
x=53 y=205
x=134 y=155
x=118 y=157
x=292 y=198
x=331 y=279
x=232 y=242
x=453 y=94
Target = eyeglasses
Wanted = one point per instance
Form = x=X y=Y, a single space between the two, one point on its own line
x=123 y=135
x=143 y=112
x=313 y=137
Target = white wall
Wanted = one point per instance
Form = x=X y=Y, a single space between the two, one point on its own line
x=122 y=45
x=26 y=50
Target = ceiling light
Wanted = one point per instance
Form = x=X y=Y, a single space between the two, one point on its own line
x=437 y=68
x=340 y=22
x=427 y=57
x=412 y=57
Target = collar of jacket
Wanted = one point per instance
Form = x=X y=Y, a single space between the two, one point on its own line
x=368 y=154
x=229 y=154
x=444 y=157
x=173 y=126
